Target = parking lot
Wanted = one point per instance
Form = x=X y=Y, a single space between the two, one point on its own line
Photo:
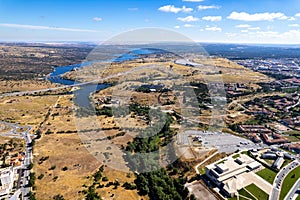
x=224 y=142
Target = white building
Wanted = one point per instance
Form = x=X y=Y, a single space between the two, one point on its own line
x=278 y=163
x=6 y=181
x=225 y=173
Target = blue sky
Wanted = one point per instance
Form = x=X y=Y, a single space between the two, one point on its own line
x=230 y=21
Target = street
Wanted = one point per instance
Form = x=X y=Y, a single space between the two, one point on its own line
x=24 y=171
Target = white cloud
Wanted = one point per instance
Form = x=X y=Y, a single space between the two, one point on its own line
x=247 y=26
x=133 y=9
x=287 y=37
x=267 y=34
x=244 y=31
x=213 y=28
x=243 y=26
x=212 y=18
x=97 y=19
x=293 y=25
x=254 y=28
x=243 y=16
x=169 y=8
x=292 y=19
x=193 y=0
x=297 y=15
x=201 y=7
x=25 y=26
x=231 y=34
x=185 y=9
x=188 y=19
x=188 y=25
x=173 y=9
x=176 y=27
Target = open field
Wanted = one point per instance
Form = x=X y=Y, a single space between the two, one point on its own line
x=7 y=86
x=27 y=110
x=36 y=60
x=61 y=117
x=66 y=150
x=215 y=70
x=4 y=128
x=257 y=192
x=61 y=160
x=267 y=174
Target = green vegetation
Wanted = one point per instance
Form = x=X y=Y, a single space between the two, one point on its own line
x=129 y=186
x=58 y=197
x=64 y=168
x=246 y=153
x=246 y=194
x=236 y=156
x=42 y=159
x=52 y=167
x=201 y=170
x=144 y=156
x=32 y=178
x=41 y=176
x=90 y=193
x=267 y=174
x=289 y=181
x=242 y=193
x=257 y=192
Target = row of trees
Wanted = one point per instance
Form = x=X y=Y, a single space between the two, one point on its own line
x=145 y=156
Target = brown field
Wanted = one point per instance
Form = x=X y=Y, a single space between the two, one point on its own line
x=61 y=118
x=27 y=110
x=213 y=70
x=4 y=128
x=7 y=86
x=66 y=150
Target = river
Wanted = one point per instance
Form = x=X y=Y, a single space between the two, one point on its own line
x=81 y=96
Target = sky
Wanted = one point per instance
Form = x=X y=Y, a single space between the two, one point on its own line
x=224 y=21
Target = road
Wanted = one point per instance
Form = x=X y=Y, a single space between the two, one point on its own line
x=24 y=172
x=279 y=179
x=293 y=190
x=292 y=106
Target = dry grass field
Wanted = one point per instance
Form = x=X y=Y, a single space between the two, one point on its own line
x=212 y=70
x=66 y=150
x=64 y=147
x=61 y=118
x=4 y=128
x=26 y=110
x=7 y=86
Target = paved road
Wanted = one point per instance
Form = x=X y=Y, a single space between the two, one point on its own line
x=293 y=190
x=279 y=179
x=24 y=172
